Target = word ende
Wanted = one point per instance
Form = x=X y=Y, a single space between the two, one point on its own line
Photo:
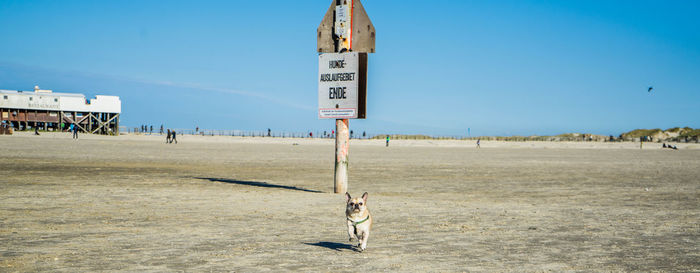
x=337 y=93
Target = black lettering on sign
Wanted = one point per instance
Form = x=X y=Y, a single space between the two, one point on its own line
x=336 y=64
x=338 y=77
x=337 y=93
x=344 y=76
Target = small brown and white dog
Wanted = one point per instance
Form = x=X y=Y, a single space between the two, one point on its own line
x=359 y=219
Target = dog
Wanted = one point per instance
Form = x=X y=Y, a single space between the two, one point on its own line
x=359 y=220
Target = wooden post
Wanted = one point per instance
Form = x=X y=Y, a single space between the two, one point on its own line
x=342 y=143
x=116 y=125
x=336 y=35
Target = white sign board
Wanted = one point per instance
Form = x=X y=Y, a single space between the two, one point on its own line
x=340 y=77
x=342 y=13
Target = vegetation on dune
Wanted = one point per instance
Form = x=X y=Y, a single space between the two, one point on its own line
x=640 y=133
x=690 y=132
x=396 y=136
x=671 y=134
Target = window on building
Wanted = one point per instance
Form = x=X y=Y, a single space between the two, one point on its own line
x=55 y=100
x=4 y=97
x=30 y=98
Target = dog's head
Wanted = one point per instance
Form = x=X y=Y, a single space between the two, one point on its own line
x=356 y=205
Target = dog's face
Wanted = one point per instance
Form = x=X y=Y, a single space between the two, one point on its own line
x=357 y=205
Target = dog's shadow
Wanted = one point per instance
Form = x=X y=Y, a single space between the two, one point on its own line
x=333 y=246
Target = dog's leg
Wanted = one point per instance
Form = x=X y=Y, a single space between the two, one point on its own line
x=363 y=240
x=359 y=240
x=351 y=231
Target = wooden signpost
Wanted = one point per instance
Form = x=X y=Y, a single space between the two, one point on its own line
x=345 y=36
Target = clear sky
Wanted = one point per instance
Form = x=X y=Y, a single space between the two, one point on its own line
x=497 y=67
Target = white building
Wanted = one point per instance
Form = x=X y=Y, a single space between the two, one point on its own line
x=54 y=111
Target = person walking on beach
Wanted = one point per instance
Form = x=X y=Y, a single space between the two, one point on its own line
x=173 y=138
x=167 y=139
x=75 y=130
x=387 y=140
x=478 y=143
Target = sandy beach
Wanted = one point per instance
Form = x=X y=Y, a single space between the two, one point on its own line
x=243 y=204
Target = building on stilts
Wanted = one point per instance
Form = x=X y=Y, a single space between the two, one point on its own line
x=52 y=111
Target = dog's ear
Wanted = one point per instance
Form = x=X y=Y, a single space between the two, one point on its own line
x=347 y=197
x=364 y=197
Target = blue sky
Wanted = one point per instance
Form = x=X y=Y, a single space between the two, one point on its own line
x=497 y=67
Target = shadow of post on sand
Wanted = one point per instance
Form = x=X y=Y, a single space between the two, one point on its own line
x=256 y=184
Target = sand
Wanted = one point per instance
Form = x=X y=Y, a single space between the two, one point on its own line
x=133 y=203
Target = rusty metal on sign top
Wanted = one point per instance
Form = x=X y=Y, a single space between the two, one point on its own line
x=362 y=37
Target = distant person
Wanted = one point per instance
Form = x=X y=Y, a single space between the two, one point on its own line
x=664 y=146
x=161 y=129
x=350 y=133
x=311 y=135
x=196 y=129
x=387 y=140
x=478 y=143
x=36 y=130
x=167 y=139
x=364 y=134
x=75 y=131
x=151 y=129
x=269 y=132
x=174 y=138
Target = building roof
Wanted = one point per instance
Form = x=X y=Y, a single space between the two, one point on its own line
x=16 y=92
x=48 y=100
